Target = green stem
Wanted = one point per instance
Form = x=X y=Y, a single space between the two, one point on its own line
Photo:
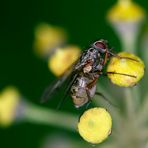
x=127 y=33
x=128 y=44
x=142 y=113
x=132 y=101
x=129 y=103
x=40 y=115
x=114 y=110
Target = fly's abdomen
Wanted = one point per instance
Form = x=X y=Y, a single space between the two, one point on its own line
x=79 y=92
x=79 y=96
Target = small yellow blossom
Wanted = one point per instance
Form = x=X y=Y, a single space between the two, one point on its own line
x=48 y=37
x=125 y=10
x=63 y=59
x=95 y=125
x=125 y=66
x=9 y=99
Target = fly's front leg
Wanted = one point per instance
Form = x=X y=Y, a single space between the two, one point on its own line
x=117 y=56
x=123 y=74
x=106 y=58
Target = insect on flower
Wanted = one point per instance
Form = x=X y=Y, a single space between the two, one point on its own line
x=84 y=74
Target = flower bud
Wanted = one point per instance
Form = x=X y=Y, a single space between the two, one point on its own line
x=125 y=71
x=95 y=125
x=48 y=38
x=63 y=58
x=9 y=101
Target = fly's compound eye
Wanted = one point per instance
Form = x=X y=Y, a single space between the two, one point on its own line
x=100 y=45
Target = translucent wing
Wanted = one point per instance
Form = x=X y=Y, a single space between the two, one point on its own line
x=52 y=88
x=69 y=76
x=67 y=90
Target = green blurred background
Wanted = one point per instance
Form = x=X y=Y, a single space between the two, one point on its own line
x=85 y=21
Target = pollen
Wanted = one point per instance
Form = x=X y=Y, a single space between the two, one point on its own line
x=95 y=125
x=125 y=72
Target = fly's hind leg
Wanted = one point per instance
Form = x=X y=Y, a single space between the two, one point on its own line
x=106 y=99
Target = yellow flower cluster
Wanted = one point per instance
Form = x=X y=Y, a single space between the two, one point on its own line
x=126 y=66
x=9 y=100
x=95 y=125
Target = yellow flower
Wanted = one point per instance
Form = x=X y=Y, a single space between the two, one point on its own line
x=63 y=59
x=95 y=125
x=48 y=37
x=125 y=66
x=125 y=10
x=9 y=100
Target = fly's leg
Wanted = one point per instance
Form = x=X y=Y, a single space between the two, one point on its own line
x=91 y=84
x=123 y=74
x=115 y=55
x=105 y=58
x=106 y=99
x=105 y=74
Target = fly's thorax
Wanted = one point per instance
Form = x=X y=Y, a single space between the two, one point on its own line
x=93 y=63
x=87 y=68
x=90 y=54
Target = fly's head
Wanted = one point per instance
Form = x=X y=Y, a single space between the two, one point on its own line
x=101 y=46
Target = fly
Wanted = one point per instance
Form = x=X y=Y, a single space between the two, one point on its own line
x=84 y=74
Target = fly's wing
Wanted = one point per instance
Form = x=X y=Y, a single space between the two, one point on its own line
x=70 y=83
x=52 y=88
x=69 y=76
